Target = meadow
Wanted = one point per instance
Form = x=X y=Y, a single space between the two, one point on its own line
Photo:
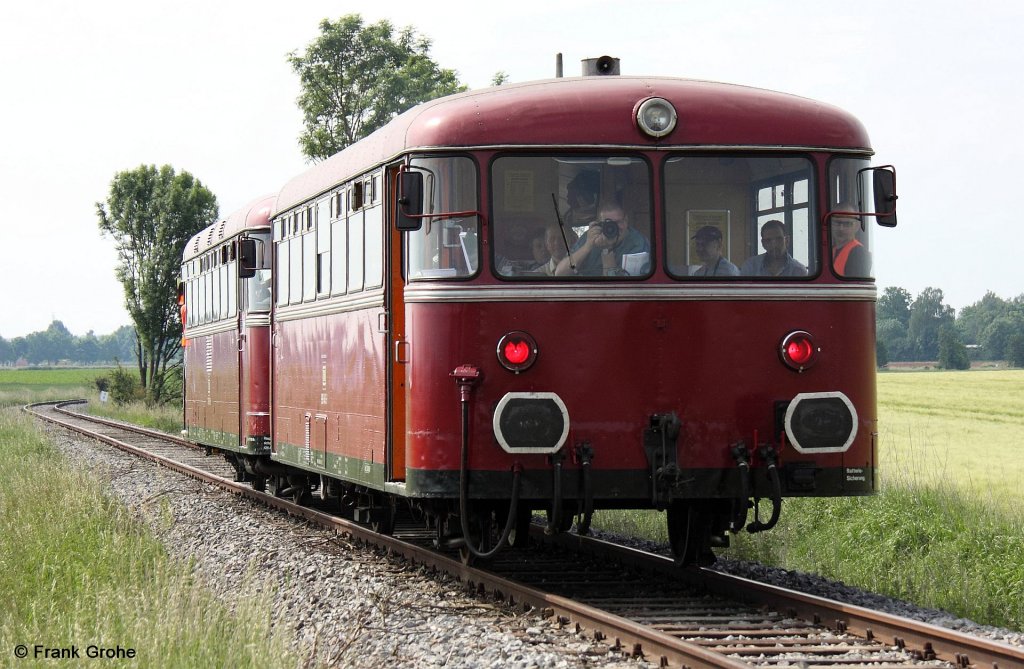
x=79 y=569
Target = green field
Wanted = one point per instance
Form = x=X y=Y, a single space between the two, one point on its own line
x=24 y=386
x=964 y=427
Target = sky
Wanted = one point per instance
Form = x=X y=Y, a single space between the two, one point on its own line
x=90 y=89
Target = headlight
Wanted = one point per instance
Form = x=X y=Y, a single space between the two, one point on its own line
x=656 y=117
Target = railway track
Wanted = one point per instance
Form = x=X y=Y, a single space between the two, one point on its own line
x=634 y=601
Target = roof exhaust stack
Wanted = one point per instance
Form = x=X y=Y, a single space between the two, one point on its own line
x=598 y=67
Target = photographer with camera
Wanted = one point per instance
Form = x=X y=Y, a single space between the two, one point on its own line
x=599 y=252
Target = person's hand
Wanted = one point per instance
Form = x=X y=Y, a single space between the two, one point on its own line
x=595 y=237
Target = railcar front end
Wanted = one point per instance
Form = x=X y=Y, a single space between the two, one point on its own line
x=582 y=294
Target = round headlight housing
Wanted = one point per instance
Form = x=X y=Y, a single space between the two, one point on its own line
x=656 y=117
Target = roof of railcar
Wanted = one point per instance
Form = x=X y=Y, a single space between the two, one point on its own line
x=588 y=111
x=255 y=214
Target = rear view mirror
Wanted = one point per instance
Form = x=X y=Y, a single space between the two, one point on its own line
x=885 y=195
x=409 y=211
x=246 y=258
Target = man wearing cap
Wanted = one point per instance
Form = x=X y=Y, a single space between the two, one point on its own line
x=708 y=244
x=775 y=261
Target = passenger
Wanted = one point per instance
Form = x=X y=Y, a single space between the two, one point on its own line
x=539 y=250
x=849 y=257
x=775 y=261
x=555 y=247
x=708 y=242
x=598 y=254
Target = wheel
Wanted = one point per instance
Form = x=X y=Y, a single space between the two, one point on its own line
x=259 y=483
x=689 y=534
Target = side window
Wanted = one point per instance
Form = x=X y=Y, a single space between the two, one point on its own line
x=445 y=247
x=850 y=191
x=190 y=305
x=282 y=268
x=230 y=272
x=309 y=266
x=295 y=269
x=374 y=246
x=339 y=256
x=355 y=251
x=323 y=246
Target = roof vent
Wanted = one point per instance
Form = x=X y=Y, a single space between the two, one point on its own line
x=603 y=66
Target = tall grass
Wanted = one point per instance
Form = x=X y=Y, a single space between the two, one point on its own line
x=166 y=417
x=78 y=569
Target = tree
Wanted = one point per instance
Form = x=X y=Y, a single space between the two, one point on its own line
x=952 y=352
x=995 y=338
x=927 y=315
x=895 y=304
x=894 y=335
x=973 y=320
x=1015 y=350
x=151 y=213
x=356 y=78
x=500 y=78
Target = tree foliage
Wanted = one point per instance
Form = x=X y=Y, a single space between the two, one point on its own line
x=355 y=78
x=56 y=345
x=952 y=352
x=926 y=329
x=928 y=314
x=151 y=213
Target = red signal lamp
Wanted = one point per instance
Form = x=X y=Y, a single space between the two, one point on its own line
x=798 y=350
x=517 y=351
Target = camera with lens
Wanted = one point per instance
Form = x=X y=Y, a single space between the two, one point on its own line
x=610 y=228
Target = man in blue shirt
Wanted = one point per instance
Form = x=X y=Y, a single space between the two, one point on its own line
x=775 y=261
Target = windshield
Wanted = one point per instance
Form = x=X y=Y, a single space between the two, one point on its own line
x=850 y=191
x=572 y=217
x=739 y=217
x=446 y=247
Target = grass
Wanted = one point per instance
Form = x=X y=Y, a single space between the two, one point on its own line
x=949 y=516
x=76 y=568
x=166 y=418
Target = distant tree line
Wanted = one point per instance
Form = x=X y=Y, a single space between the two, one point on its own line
x=56 y=345
x=924 y=328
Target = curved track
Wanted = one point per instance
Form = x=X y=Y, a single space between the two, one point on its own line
x=638 y=602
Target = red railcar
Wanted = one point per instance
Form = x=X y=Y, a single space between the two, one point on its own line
x=225 y=292
x=599 y=292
